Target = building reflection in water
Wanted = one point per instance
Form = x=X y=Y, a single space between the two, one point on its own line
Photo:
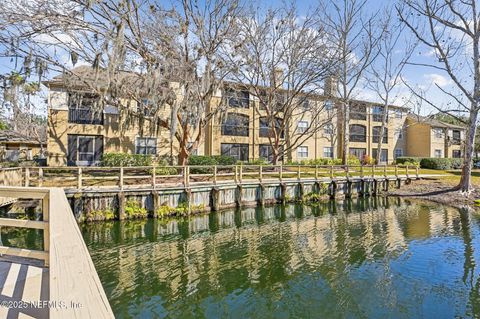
x=407 y=255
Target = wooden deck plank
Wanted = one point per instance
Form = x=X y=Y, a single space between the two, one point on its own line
x=11 y=281
x=33 y=284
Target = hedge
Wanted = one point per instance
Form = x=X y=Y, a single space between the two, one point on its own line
x=122 y=159
x=441 y=163
x=431 y=162
x=199 y=160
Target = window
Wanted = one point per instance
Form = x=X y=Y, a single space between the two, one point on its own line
x=438 y=153
x=357 y=152
x=399 y=133
x=236 y=125
x=377 y=113
x=328 y=152
x=237 y=151
x=358 y=112
x=302 y=152
x=329 y=105
x=146 y=145
x=438 y=132
x=85 y=108
x=328 y=129
x=383 y=155
x=398 y=153
x=266 y=152
x=398 y=114
x=456 y=137
x=302 y=127
x=457 y=154
x=84 y=149
x=266 y=127
x=376 y=134
x=358 y=133
x=237 y=98
x=306 y=104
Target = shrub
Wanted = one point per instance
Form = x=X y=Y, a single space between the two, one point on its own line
x=408 y=160
x=352 y=160
x=368 y=160
x=198 y=160
x=436 y=163
x=134 y=210
x=122 y=159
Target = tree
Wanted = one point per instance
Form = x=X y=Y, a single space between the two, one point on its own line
x=385 y=74
x=356 y=35
x=451 y=30
x=281 y=59
x=136 y=50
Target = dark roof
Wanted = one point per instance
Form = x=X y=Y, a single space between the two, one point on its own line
x=433 y=122
x=9 y=136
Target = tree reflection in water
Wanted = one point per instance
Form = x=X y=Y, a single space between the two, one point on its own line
x=372 y=257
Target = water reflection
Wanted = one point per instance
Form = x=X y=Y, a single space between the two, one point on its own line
x=373 y=257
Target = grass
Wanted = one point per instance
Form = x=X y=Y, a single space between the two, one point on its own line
x=452 y=177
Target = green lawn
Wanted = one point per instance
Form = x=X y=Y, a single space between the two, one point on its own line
x=452 y=177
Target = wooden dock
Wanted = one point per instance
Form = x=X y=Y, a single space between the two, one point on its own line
x=58 y=282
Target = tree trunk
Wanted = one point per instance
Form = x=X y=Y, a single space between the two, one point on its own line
x=465 y=184
x=382 y=132
x=346 y=133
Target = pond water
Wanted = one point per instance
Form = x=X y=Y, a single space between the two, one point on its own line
x=366 y=258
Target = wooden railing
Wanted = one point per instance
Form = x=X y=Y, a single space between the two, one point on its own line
x=72 y=275
x=11 y=176
x=153 y=176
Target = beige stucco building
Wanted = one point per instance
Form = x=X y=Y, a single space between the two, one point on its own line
x=79 y=136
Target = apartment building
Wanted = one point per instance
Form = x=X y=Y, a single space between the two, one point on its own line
x=428 y=137
x=79 y=134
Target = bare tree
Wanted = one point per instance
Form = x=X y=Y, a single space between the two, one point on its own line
x=136 y=49
x=281 y=59
x=451 y=30
x=385 y=74
x=356 y=34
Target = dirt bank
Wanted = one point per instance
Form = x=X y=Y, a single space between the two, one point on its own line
x=438 y=191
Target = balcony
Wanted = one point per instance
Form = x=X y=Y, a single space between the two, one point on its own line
x=85 y=116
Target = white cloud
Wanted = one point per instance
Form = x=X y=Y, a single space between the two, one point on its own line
x=437 y=79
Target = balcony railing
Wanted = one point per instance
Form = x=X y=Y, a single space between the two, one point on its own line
x=85 y=116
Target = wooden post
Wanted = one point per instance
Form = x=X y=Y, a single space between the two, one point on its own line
x=79 y=178
x=346 y=171
x=361 y=171
x=331 y=172
x=416 y=171
x=27 y=177
x=281 y=173
x=316 y=172
x=373 y=171
x=154 y=178
x=406 y=171
x=396 y=171
x=40 y=177
x=240 y=175
x=215 y=174
x=121 y=178
x=46 y=230
x=385 y=170
x=298 y=172
x=186 y=176
x=260 y=172
x=235 y=175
